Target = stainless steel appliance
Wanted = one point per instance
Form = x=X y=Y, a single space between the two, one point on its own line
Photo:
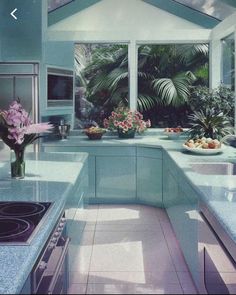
x=21 y=80
x=218 y=268
x=49 y=276
x=19 y=222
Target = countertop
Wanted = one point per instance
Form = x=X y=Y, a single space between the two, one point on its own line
x=49 y=178
x=217 y=192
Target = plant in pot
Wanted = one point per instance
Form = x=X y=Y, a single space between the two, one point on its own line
x=126 y=122
x=209 y=123
x=18 y=131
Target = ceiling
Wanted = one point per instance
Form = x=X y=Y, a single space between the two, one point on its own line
x=207 y=13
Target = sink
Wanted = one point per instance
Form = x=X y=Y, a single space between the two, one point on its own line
x=223 y=168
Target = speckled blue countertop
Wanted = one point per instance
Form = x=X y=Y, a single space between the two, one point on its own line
x=218 y=192
x=49 y=178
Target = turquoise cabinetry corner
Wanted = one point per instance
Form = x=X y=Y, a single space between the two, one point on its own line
x=112 y=172
x=124 y=174
x=149 y=176
x=181 y=203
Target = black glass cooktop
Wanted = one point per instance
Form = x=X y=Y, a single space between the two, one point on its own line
x=19 y=220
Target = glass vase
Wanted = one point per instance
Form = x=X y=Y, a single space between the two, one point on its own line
x=125 y=135
x=18 y=165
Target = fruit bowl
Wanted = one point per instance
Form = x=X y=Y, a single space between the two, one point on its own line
x=94 y=133
x=173 y=133
x=203 y=151
x=203 y=146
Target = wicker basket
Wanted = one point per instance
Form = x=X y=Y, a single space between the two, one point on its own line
x=94 y=136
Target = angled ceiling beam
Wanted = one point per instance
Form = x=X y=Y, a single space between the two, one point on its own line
x=68 y=10
x=185 y=12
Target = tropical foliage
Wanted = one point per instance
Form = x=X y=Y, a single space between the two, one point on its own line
x=209 y=123
x=220 y=99
x=165 y=74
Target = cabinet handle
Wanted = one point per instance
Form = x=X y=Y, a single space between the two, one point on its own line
x=58 y=267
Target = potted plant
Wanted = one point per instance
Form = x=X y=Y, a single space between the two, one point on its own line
x=209 y=123
x=18 y=131
x=126 y=122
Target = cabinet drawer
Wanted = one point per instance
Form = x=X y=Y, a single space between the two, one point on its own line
x=149 y=152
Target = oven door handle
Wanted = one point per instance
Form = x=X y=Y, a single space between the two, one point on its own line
x=60 y=262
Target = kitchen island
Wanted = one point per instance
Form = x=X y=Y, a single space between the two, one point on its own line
x=49 y=178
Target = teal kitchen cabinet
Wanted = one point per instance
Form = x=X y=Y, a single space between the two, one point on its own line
x=77 y=200
x=170 y=190
x=111 y=170
x=115 y=178
x=149 y=176
x=181 y=203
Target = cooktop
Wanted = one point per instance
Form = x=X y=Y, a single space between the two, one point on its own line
x=20 y=220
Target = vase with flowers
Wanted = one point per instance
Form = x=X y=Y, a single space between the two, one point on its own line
x=126 y=122
x=18 y=131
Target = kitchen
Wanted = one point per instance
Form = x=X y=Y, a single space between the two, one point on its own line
x=163 y=212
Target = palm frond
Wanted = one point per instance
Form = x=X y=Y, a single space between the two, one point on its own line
x=188 y=52
x=145 y=102
x=172 y=91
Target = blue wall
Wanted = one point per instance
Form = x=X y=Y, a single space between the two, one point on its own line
x=21 y=39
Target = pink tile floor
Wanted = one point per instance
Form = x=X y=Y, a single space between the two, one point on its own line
x=127 y=249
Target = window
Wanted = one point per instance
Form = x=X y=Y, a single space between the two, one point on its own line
x=166 y=74
x=101 y=83
x=55 y=4
x=228 y=62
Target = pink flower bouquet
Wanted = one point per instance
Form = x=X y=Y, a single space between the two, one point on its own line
x=124 y=120
x=17 y=129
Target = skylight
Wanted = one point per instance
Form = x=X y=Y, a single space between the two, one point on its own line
x=215 y=8
x=54 y=4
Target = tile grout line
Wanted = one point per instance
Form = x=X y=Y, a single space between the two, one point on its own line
x=90 y=260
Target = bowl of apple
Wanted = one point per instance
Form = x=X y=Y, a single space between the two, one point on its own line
x=94 y=133
x=174 y=132
x=203 y=145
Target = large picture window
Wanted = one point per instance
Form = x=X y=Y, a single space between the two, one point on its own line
x=102 y=81
x=228 y=61
x=166 y=75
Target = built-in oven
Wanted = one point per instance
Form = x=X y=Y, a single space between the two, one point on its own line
x=49 y=276
x=218 y=273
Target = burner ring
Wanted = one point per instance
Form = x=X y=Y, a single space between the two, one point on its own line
x=21 y=209
x=13 y=227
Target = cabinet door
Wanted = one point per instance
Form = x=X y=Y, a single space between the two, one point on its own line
x=183 y=213
x=149 y=181
x=170 y=189
x=115 y=178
